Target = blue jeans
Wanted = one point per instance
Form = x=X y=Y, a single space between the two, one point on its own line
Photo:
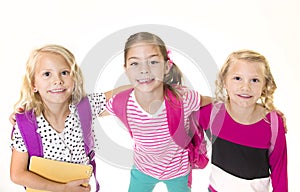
x=140 y=182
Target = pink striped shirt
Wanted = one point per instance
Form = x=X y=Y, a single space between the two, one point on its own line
x=155 y=152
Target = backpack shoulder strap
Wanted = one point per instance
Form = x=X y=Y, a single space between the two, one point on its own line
x=174 y=114
x=27 y=125
x=85 y=116
x=216 y=120
x=175 y=117
x=274 y=130
x=119 y=106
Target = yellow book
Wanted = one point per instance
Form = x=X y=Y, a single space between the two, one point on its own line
x=58 y=171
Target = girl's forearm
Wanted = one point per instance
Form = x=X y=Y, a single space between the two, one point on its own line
x=205 y=100
x=109 y=94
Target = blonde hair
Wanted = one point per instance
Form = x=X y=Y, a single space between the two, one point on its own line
x=249 y=56
x=28 y=99
x=174 y=77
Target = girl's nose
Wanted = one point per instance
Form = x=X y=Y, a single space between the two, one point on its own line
x=57 y=80
x=245 y=86
x=144 y=67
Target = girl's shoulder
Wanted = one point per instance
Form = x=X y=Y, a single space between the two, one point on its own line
x=269 y=114
x=212 y=108
x=97 y=102
x=94 y=95
x=184 y=90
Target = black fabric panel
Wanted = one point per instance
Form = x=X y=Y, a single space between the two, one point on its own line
x=240 y=161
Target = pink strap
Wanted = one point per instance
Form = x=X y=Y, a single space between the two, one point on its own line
x=119 y=106
x=274 y=129
x=173 y=106
x=217 y=117
x=175 y=117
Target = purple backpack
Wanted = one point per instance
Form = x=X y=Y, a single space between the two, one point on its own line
x=28 y=126
x=193 y=141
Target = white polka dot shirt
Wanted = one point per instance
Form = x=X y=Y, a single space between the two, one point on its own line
x=68 y=145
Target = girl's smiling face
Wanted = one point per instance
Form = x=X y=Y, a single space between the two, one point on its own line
x=145 y=67
x=244 y=83
x=53 y=80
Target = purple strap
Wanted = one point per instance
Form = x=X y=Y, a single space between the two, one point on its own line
x=28 y=126
x=85 y=116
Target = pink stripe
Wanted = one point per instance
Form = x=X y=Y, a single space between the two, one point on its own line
x=156 y=153
x=211 y=188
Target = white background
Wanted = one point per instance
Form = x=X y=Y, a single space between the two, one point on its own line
x=269 y=27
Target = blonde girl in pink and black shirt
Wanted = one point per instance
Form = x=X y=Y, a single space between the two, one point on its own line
x=157 y=158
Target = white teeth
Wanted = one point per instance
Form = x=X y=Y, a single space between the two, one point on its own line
x=144 y=80
x=244 y=95
x=57 y=90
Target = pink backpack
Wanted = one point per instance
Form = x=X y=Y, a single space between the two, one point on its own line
x=28 y=126
x=193 y=141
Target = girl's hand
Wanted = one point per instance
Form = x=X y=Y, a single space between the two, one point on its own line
x=21 y=176
x=109 y=94
x=78 y=186
x=12 y=117
x=284 y=120
x=205 y=100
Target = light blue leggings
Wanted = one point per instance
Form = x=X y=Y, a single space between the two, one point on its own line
x=140 y=182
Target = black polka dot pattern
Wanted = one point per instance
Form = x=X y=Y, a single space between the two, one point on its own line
x=68 y=145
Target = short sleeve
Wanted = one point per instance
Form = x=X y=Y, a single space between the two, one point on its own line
x=191 y=100
x=97 y=102
x=17 y=141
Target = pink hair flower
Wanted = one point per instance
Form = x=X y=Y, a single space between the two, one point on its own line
x=169 y=58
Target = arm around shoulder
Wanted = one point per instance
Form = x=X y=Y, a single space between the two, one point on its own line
x=205 y=100
x=283 y=119
x=109 y=94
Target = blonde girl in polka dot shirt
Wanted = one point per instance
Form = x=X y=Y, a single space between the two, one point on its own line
x=52 y=86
